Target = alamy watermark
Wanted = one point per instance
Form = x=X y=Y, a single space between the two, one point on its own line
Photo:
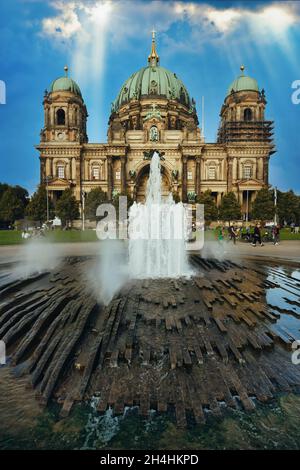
x=296 y=352
x=2 y=92
x=152 y=222
x=2 y=353
x=296 y=94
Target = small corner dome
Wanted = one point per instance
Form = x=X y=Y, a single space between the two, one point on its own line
x=65 y=84
x=243 y=83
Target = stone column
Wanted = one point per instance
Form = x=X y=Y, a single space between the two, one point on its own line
x=219 y=197
x=78 y=179
x=43 y=170
x=68 y=168
x=67 y=117
x=71 y=115
x=238 y=175
x=229 y=173
x=198 y=176
x=123 y=175
x=184 y=179
x=48 y=166
x=46 y=116
x=109 y=178
x=241 y=198
x=52 y=116
x=266 y=170
x=73 y=173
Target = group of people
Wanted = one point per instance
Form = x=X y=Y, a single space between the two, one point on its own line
x=257 y=235
x=252 y=235
x=35 y=233
x=294 y=228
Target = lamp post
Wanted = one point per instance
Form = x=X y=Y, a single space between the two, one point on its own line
x=275 y=205
x=247 y=201
x=47 y=179
x=83 y=206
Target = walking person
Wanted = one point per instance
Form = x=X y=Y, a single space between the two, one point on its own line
x=276 y=231
x=232 y=234
x=220 y=235
x=248 y=234
x=257 y=236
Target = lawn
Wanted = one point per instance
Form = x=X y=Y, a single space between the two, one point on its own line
x=285 y=234
x=13 y=237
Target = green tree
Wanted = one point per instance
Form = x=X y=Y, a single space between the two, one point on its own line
x=11 y=206
x=93 y=199
x=288 y=207
x=230 y=208
x=67 y=208
x=115 y=201
x=3 y=188
x=263 y=207
x=21 y=194
x=37 y=207
x=210 y=207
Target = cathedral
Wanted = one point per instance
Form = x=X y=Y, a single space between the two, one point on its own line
x=154 y=111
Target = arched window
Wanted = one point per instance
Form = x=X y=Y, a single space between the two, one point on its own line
x=247 y=114
x=95 y=172
x=211 y=173
x=60 y=171
x=247 y=172
x=60 y=117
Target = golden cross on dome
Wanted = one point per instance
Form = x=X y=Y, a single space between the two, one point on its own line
x=153 y=58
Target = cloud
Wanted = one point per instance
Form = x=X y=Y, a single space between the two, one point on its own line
x=90 y=28
x=129 y=19
x=66 y=23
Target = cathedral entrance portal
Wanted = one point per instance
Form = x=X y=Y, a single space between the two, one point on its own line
x=142 y=179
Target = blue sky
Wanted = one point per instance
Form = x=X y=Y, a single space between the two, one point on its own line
x=104 y=42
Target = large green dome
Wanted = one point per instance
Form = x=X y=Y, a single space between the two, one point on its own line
x=152 y=80
x=65 y=84
x=243 y=83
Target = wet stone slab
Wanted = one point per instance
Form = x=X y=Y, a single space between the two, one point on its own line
x=195 y=344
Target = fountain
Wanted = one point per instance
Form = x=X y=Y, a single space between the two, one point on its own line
x=158 y=341
x=157 y=233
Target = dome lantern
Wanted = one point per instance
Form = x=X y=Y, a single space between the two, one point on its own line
x=65 y=83
x=153 y=58
x=243 y=83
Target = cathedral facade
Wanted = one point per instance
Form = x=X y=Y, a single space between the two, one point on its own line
x=154 y=111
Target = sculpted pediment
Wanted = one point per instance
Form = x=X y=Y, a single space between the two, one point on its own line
x=59 y=182
x=249 y=182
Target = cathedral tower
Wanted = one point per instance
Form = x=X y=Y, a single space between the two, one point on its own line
x=62 y=136
x=65 y=112
x=243 y=113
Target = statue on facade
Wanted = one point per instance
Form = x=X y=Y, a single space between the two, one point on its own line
x=173 y=122
x=153 y=134
x=154 y=113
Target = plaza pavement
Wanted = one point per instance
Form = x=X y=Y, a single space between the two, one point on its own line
x=288 y=250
